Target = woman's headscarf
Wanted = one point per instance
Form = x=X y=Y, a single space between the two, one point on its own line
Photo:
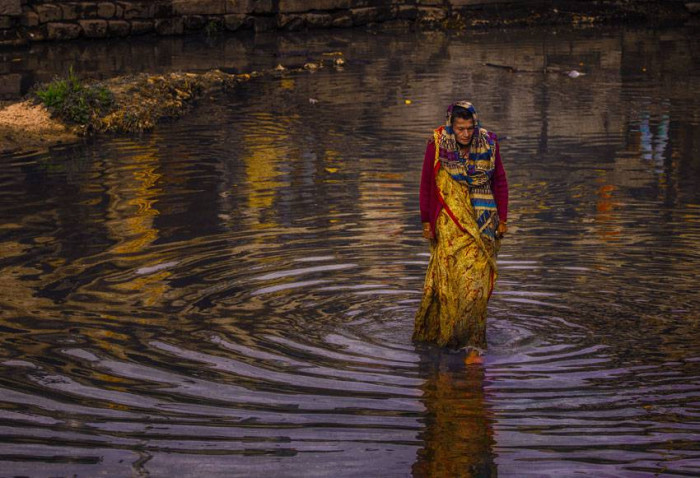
x=462 y=104
x=481 y=161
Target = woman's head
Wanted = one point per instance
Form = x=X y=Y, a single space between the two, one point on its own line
x=463 y=123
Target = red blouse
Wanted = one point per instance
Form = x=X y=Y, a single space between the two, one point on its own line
x=430 y=205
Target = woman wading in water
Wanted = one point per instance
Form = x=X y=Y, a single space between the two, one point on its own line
x=463 y=207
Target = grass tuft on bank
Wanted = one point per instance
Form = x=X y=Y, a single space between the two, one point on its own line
x=75 y=101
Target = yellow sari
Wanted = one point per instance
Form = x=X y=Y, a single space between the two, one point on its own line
x=460 y=276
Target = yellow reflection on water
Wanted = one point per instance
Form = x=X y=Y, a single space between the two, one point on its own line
x=263 y=155
x=458 y=436
x=133 y=194
x=133 y=191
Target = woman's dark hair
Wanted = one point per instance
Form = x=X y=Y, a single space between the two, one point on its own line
x=461 y=112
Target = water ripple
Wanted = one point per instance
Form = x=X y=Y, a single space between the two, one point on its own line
x=236 y=290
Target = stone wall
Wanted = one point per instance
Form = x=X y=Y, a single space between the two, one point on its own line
x=24 y=21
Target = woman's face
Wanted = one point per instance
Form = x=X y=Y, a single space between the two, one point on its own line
x=464 y=129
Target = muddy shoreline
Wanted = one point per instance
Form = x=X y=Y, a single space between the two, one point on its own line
x=141 y=102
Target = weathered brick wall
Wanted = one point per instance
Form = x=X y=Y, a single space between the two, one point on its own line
x=37 y=20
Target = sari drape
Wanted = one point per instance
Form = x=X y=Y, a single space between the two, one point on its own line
x=460 y=275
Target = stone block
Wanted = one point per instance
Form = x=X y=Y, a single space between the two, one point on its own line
x=69 y=11
x=237 y=21
x=62 y=31
x=86 y=10
x=118 y=28
x=199 y=7
x=291 y=22
x=49 y=13
x=343 y=20
x=318 y=20
x=302 y=6
x=106 y=10
x=363 y=16
x=29 y=19
x=140 y=27
x=11 y=8
x=431 y=14
x=162 y=9
x=94 y=28
x=194 y=22
x=170 y=26
x=250 y=6
x=137 y=10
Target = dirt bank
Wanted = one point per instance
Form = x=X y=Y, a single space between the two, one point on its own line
x=139 y=103
x=27 y=126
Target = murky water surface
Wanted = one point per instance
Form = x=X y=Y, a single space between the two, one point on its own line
x=233 y=294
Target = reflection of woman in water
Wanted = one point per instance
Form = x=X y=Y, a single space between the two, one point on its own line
x=458 y=436
x=463 y=205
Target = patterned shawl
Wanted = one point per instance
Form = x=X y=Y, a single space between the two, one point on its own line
x=476 y=170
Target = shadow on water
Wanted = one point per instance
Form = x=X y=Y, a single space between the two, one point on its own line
x=233 y=293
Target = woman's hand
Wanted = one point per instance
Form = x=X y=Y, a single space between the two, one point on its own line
x=427 y=233
x=502 y=229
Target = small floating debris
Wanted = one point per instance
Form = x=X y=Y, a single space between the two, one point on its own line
x=313 y=101
x=512 y=69
x=311 y=66
x=331 y=170
x=573 y=73
x=280 y=67
x=407 y=102
x=339 y=62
